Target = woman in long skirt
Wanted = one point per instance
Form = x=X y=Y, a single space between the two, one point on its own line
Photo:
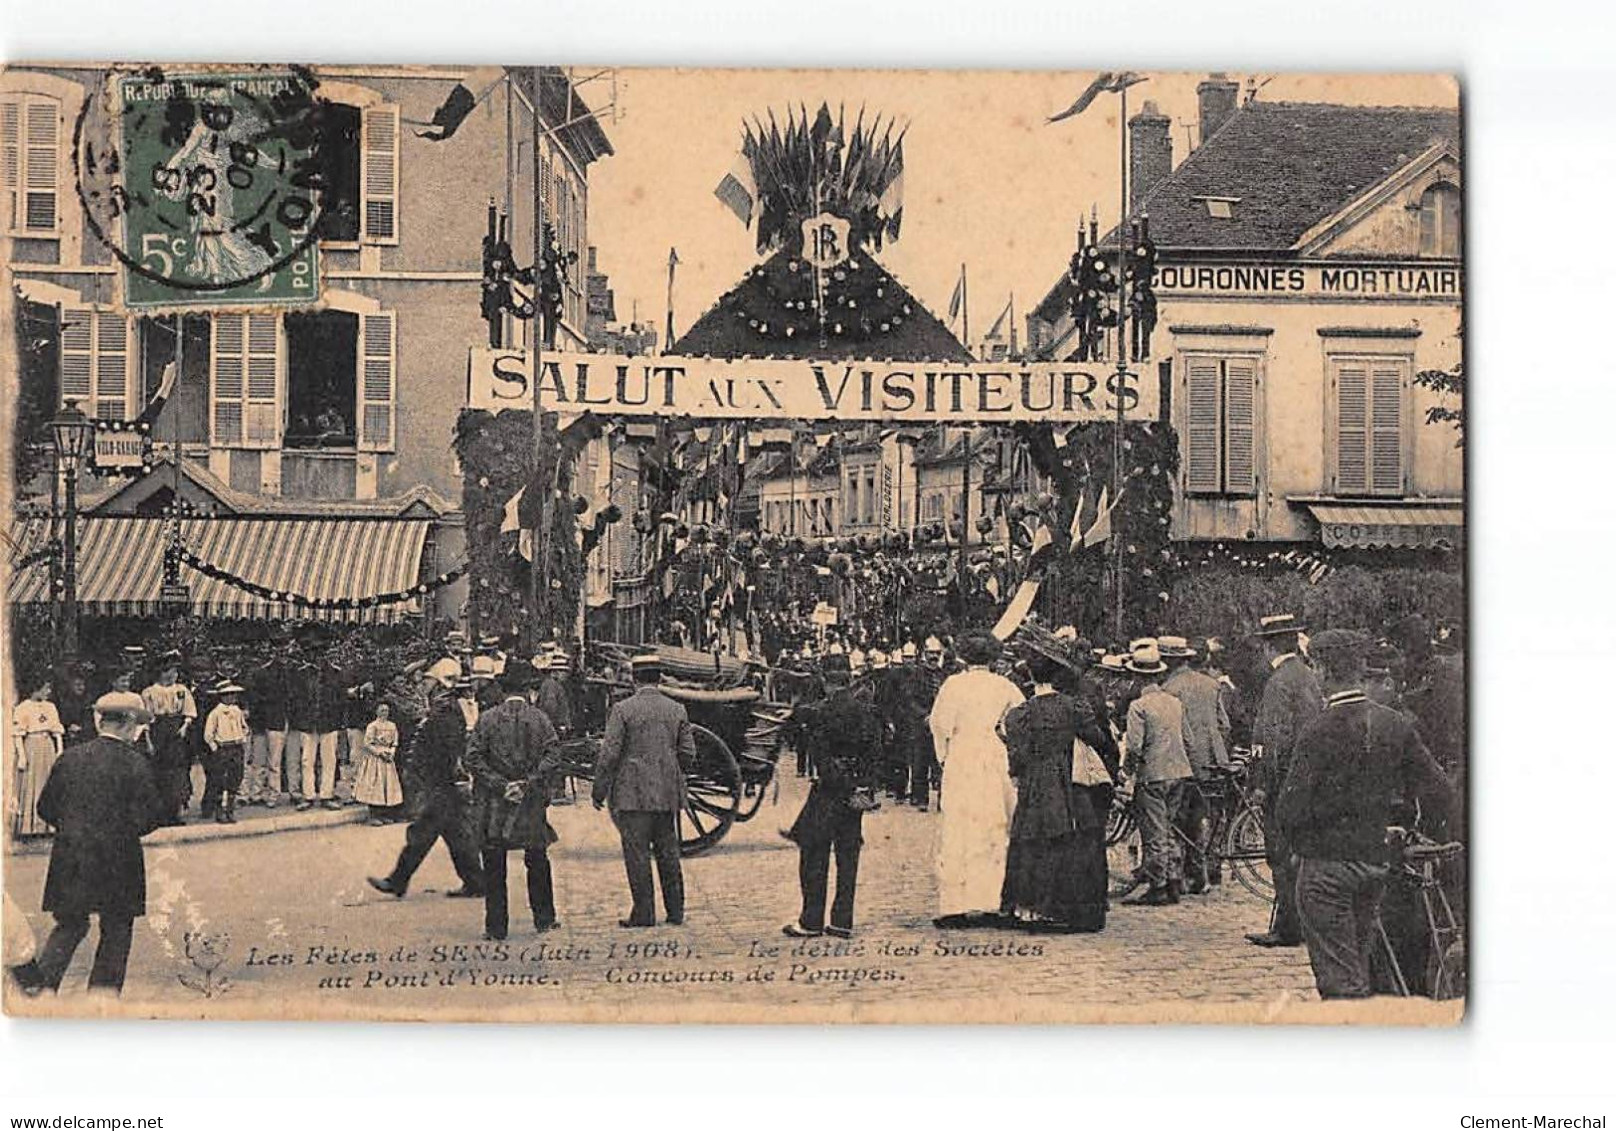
x=977 y=796
x=37 y=731
x=1055 y=873
x=377 y=783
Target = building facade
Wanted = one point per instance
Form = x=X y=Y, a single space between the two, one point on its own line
x=346 y=399
x=340 y=408
x=1309 y=270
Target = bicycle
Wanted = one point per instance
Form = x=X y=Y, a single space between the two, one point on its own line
x=1236 y=837
x=1446 y=967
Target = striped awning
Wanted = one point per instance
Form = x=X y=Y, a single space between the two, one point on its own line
x=120 y=565
x=1389 y=526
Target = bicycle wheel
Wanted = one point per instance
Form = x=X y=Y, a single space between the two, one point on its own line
x=1446 y=974
x=1245 y=851
x=1119 y=824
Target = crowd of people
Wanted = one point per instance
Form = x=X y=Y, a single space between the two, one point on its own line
x=1341 y=738
x=1024 y=750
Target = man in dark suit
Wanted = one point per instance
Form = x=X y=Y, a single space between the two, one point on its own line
x=845 y=739
x=1291 y=699
x=433 y=764
x=513 y=755
x=101 y=798
x=640 y=773
x=1355 y=766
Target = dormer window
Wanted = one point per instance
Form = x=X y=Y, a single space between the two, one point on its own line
x=1219 y=207
x=1440 y=224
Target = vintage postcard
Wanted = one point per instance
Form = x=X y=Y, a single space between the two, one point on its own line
x=527 y=543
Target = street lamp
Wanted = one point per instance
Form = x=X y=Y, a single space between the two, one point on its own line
x=72 y=434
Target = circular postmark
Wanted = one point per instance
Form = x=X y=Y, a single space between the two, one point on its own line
x=208 y=183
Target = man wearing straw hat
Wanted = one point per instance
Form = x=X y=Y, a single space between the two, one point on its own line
x=101 y=798
x=436 y=798
x=1290 y=700
x=225 y=734
x=1161 y=772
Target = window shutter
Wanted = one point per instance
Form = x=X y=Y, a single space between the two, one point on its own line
x=376 y=367
x=229 y=367
x=1352 y=427
x=261 y=410
x=1386 y=436
x=1240 y=425
x=39 y=202
x=78 y=357
x=378 y=174
x=1202 y=424
x=111 y=365
x=11 y=158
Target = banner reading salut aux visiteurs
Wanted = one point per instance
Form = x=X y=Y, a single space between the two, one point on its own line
x=810 y=390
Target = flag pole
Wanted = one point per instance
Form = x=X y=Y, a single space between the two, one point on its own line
x=541 y=320
x=965 y=308
x=1122 y=356
x=673 y=262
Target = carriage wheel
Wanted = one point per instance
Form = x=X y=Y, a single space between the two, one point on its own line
x=1246 y=853
x=756 y=776
x=712 y=794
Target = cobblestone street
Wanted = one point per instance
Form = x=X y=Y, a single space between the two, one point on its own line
x=308 y=934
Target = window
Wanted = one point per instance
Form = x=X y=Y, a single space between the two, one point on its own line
x=1440 y=226
x=95 y=362
x=246 y=353
x=1220 y=425
x=340 y=156
x=29 y=134
x=187 y=407
x=1368 y=394
x=322 y=366
x=869 y=497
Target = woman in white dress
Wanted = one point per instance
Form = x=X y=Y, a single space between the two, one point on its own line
x=37 y=731
x=978 y=796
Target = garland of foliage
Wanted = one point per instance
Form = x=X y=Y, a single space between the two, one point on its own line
x=498 y=458
x=1077 y=588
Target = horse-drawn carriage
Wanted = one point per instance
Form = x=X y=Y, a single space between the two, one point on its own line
x=738 y=732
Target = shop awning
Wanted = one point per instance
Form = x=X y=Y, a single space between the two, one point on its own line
x=120 y=565
x=1388 y=526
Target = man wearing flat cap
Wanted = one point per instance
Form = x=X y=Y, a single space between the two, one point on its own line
x=1354 y=767
x=1290 y=700
x=640 y=774
x=101 y=798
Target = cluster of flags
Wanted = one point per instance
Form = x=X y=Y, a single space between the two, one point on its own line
x=782 y=177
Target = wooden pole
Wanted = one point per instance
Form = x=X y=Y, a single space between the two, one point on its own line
x=1122 y=365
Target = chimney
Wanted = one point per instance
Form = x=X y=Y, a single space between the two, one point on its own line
x=1219 y=96
x=1150 y=152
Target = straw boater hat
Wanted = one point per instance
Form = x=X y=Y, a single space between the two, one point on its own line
x=645 y=662
x=909 y=650
x=446 y=671
x=878 y=660
x=1117 y=665
x=1175 y=648
x=124 y=705
x=560 y=661
x=1145 y=658
x=228 y=687
x=1278 y=624
x=933 y=644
